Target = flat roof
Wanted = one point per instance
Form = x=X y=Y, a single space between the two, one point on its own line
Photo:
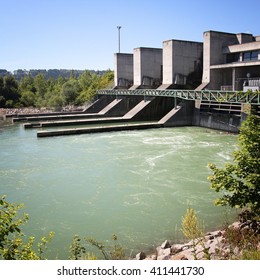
x=184 y=41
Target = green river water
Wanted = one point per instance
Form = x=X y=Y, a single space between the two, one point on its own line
x=135 y=184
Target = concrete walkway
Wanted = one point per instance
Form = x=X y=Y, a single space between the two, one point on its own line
x=73 y=131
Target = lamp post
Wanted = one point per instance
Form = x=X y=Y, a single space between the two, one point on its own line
x=119 y=27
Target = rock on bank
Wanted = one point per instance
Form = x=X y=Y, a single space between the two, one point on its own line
x=213 y=246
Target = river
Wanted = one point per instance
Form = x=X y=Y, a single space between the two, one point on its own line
x=135 y=184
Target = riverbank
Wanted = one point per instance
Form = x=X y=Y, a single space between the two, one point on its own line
x=240 y=240
x=15 y=111
x=32 y=110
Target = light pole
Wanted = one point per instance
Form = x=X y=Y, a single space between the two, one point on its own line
x=119 y=27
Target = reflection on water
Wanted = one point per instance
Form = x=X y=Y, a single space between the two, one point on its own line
x=135 y=184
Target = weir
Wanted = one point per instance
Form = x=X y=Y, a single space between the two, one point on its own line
x=85 y=130
x=222 y=110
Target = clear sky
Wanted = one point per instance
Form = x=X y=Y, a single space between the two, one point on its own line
x=83 y=34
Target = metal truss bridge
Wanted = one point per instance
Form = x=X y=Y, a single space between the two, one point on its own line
x=202 y=95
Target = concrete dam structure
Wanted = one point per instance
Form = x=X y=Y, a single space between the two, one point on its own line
x=118 y=110
x=212 y=84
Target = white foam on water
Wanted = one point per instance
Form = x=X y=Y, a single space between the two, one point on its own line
x=225 y=156
x=208 y=144
x=152 y=160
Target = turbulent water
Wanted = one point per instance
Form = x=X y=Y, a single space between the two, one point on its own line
x=135 y=184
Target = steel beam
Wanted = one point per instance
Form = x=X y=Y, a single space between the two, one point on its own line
x=202 y=95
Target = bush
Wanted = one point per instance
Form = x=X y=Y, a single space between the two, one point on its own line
x=12 y=244
x=240 y=181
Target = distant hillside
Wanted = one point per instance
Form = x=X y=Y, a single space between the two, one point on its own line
x=51 y=73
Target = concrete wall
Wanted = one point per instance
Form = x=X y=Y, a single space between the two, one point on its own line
x=180 y=58
x=182 y=115
x=224 y=122
x=147 y=67
x=124 y=70
x=159 y=107
x=156 y=109
x=99 y=104
x=244 y=38
x=126 y=104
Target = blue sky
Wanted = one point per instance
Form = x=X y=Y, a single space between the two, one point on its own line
x=82 y=34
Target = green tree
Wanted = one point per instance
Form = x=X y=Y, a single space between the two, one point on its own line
x=2 y=99
x=91 y=82
x=55 y=100
x=27 y=84
x=10 y=93
x=70 y=91
x=28 y=98
x=12 y=244
x=27 y=91
x=240 y=180
x=59 y=82
x=86 y=79
x=40 y=84
x=41 y=87
x=107 y=80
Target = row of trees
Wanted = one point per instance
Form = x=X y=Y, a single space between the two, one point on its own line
x=55 y=93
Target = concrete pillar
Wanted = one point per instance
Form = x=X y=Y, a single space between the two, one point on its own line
x=147 y=67
x=180 y=58
x=233 y=79
x=206 y=58
x=167 y=62
x=123 y=77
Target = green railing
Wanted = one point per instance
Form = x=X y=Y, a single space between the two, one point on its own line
x=202 y=95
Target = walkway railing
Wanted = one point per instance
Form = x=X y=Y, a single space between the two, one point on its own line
x=202 y=95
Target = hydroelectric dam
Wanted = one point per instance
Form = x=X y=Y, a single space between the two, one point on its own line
x=122 y=109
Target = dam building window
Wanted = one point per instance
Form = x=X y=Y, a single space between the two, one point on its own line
x=247 y=56
x=232 y=57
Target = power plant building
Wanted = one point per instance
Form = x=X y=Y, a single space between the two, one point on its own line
x=224 y=61
x=231 y=61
